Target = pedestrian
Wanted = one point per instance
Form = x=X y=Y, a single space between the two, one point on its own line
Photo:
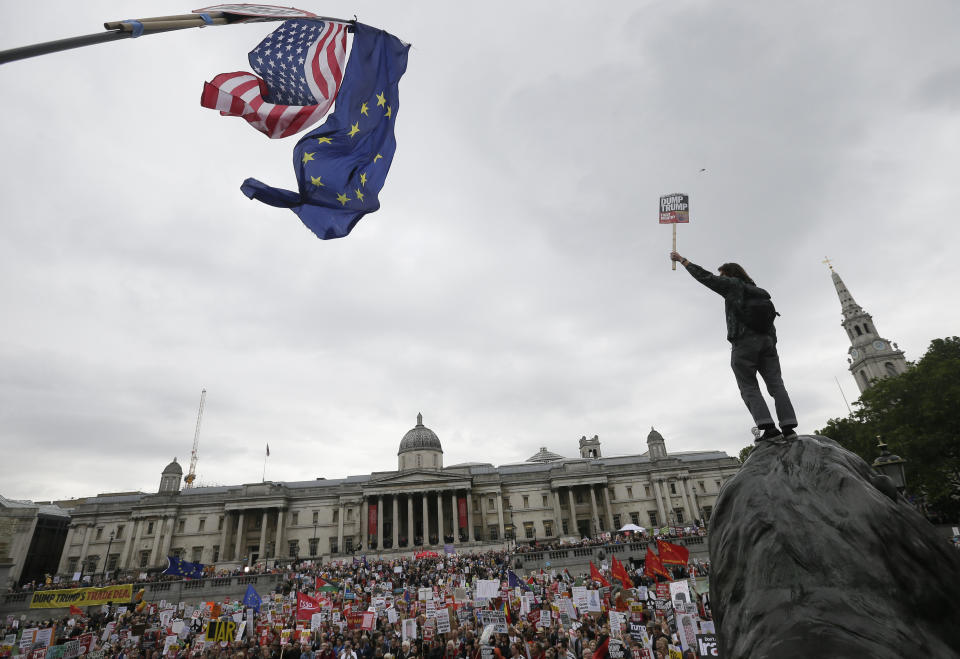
x=750 y=330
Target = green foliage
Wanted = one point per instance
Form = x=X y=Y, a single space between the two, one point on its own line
x=916 y=414
x=745 y=453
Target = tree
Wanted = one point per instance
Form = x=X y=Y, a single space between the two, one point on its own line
x=745 y=453
x=916 y=415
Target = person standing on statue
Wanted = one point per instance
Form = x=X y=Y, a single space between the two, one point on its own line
x=750 y=315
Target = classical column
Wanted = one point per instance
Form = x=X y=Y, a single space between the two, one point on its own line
x=239 y=540
x=688 y=500
x=484 y=533
x=124 y=555
x=223 y=536
x=278 y=538
x=426 y=521
x=365 y=523
x=593 y=510
x=471 y=536
x=340 y=527
x=500 y=514
x=263 y=535
x=574 y=530
x=157 y=533
x=558 y=516
x=410 y=520
x=606 y=504
x=88 y=531
x=660 y=507
x=395 y=522
x=439 y=518
x=168 y=537
x=65 y=554
x=454 y=518
x=379 y=524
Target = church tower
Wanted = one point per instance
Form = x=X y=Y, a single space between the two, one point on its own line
x=871 y=357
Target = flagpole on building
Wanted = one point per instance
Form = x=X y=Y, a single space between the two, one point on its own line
x=129 y=29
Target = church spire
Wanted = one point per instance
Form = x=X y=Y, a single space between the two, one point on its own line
x=871 y=357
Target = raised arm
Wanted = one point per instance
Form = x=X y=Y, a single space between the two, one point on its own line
x=719 y=285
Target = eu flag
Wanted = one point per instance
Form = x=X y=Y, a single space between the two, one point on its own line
x=251 y=599
x=342 y=165
x=181 y=568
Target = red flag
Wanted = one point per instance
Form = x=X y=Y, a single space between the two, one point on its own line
x=601 y=650
x=597 y=576
x=75 y=610
x=671 y=554
x=620 y=572
x=306 y=606
x=653 y=567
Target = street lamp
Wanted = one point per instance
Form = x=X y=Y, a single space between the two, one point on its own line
x=891 y=466
x=103 y=575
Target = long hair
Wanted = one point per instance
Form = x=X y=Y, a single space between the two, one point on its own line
x=735 y=270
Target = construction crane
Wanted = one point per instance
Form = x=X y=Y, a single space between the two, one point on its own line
x=192 y=474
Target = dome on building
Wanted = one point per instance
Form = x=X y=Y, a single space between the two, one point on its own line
x=420 y=438
x=654 y=436
x=543 y=455
x=173 y=468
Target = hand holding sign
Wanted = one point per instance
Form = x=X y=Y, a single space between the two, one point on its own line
x=674 y=209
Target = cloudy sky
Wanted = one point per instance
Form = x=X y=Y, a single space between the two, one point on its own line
x=514 y=287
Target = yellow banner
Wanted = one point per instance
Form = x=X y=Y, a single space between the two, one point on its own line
x=55 y=599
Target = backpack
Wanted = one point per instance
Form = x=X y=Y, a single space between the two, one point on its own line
x=757 y=312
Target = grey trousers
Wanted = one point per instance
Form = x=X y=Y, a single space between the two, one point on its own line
x=757 y=353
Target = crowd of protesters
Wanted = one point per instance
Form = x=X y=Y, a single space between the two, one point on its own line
x=142 y=628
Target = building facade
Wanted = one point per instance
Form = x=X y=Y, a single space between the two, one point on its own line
x=871 y=357
x=32 y=536
x=422 y=504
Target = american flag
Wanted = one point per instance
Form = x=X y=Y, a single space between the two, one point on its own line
x=300 y=65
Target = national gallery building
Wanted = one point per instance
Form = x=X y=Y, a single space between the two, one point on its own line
x=423 y=504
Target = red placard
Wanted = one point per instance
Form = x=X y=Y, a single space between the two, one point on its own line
x=372 y=522
x=462 y=512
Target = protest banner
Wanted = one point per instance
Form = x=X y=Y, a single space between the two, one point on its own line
x=496 y=618
x=443 y=621
x=707 y=646
x=55 y=599
x=674 y=209
x=409 y=632
x=221 y=630
x=44 y=637
x=687 y=630
x=680 y=594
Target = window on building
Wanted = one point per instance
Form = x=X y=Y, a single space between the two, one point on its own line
x=678 y=514
x=864 y=378
x=144 y=558
x=92 y=561
x=491 y=504
x=476 y=505
x=646 y=491
x=177 y=551
x=220 y=523
x=149 y=528
x=506 y=503
x=857 y=328
x=200 y=524
x=616 y=521
x=544 y=502
x=493 y=532
x=336 y=515
x=314 y=542
x=293 y=548
x=653 y=519
x=316 y=517
x=478 y=532
x=526 y=501
x=866 y=328
x=99 y=532
x=528 y=530
x=333 y=545
x=635 y=518
x=348 y=543
x=613 y=493
x=216 y=553
x=891 y=369
x=258 y=522
x=548 y=528
x=673 y=488
x=196 y=554
x=707 y=512
x=349 y=514
x=119 y=534
x=72 y=563
x=629 y=492
x=112 y=561
x=181 y=524
x=294 y=519
x=565 y=525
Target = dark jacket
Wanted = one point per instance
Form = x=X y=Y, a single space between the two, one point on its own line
x=733 y=291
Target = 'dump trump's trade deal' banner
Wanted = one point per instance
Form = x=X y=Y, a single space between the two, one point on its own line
x=55 y=599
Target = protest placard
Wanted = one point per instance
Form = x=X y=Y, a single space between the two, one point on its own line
x=707 y=646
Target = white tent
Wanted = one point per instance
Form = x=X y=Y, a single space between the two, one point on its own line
x=632 y=527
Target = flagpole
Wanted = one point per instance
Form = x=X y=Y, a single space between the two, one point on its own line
x=264 y=478
x=117 y=30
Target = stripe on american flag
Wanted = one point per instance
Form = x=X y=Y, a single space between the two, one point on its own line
x=241 y=94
